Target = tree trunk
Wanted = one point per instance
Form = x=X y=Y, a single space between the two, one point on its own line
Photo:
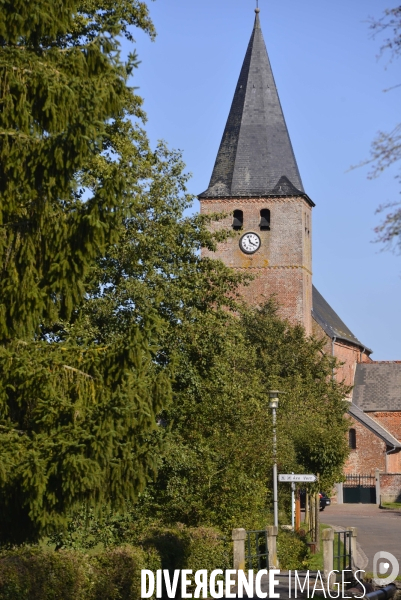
x=307 y=516
x=317 y=532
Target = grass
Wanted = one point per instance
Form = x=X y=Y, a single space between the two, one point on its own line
x=316 y=560
x=393 y=505
x=369 y=575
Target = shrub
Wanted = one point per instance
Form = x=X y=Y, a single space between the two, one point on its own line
x=292 y=551
x=112 y=574
x=181 y=547
x=208 y=549
x=37 y=575
x=118 y=574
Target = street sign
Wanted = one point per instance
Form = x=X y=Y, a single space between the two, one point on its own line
x=291 y=478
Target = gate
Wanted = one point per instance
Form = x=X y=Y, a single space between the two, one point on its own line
x=257 y=553
x=359 y=488
x=342 y=551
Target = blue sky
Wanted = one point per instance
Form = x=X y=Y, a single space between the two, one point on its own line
x=330 y=83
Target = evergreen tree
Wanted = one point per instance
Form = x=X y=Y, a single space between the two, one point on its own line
x=76 y=414
x=62 y=83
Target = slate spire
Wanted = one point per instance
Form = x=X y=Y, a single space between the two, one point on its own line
x=255 y=157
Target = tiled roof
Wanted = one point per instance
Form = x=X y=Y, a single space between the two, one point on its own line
x=330 y=322
x=377 y=386
x=371 y=424
x=255 y=157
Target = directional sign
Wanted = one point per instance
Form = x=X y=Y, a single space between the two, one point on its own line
x=297 y=478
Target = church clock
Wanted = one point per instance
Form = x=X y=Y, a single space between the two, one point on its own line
x=249 y=243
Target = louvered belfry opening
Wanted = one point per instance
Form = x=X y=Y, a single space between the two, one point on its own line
x=265 y=219
x=238 y=220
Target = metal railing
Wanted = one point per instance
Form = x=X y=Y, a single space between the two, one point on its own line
x=257 y=552
x=358 y=480
x=342 y=550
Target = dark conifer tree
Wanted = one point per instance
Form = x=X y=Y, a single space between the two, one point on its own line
x=75 y=413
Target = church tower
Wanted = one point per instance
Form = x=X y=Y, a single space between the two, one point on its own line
x=257 y=182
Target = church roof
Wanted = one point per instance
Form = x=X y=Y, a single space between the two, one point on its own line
x=330 y=322
x=374 y=426
x=255 y=157
x=377 y=386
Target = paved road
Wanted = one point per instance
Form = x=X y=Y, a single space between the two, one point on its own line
x=378 y=529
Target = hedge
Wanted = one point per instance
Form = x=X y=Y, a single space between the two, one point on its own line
x=37 y=575
x=33 y=574
x=112 y=574
x=182 y=547
x=292 y=551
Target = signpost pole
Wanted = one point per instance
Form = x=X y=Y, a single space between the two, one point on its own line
x=292 y=504
x=297 y=512
x=273 y=395
x=275 y=495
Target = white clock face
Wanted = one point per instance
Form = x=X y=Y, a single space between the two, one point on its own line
x=249 y=243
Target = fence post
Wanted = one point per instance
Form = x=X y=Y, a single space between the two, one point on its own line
x=328 y=556
x=239 y=537
x=271 y=532
x=353 y=534
x=378 y=491
x=339 y=493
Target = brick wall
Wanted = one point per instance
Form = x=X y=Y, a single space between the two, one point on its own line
x=390 y=421
x=282 y=266
x=390 y=487
x=345 y=352
x=370 y=453
x=394 y=462
x=350 y=355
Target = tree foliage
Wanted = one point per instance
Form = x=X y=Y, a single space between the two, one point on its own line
x=311 y=411
x=62 y=83
x=216 y=434
x=76 y=412
x=108 y=310
x=74 y=432
x=217 y=461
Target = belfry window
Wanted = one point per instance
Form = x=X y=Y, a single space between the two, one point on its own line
x=352 y=439
x=238 y=219
x=265 y=219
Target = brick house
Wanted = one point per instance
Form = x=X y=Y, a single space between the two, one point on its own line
x=256 y=181
x=376 y=415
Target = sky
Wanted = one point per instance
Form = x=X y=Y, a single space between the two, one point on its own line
x=331 y=85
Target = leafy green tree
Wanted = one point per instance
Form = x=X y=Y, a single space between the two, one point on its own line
x=217 y=465
x=217 y=434
x=156 y=265
x=214 y=467
x=311 y=421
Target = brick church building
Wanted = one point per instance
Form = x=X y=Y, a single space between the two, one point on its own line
x=256 y=180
